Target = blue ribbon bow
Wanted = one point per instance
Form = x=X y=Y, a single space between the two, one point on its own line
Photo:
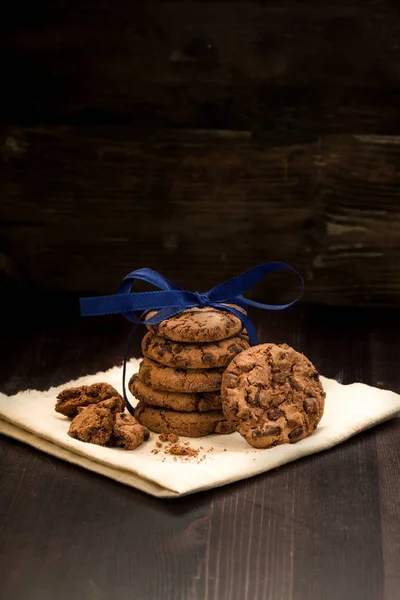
x=171 y=300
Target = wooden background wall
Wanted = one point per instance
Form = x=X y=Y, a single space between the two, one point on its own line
x=200 y=138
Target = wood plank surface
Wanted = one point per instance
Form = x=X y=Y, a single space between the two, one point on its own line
x=324 y=526
x=248 y=65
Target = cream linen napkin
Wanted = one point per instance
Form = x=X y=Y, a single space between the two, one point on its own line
x=30 y=417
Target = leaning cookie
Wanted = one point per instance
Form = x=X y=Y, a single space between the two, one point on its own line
x=198 y=325
x=179 y=380
x=189 y=424
x=208 y=355
x=186 y=402
x=273 y=394
x=70 y=399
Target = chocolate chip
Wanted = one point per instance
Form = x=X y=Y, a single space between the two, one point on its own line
x=266 y=432
x=207 y=358
x=310 y=406
x=253 y=400
x=294 y=385
x=296 y=433
x=315 y=375
x=274 y=414
x=234 y=349
x=146 y=343
x=280 y=379
x=178 y=348
x=282 y=356
x=145 y=376
x=146 y=435
x=180 y=361
x=224 y=427
x=257 y=433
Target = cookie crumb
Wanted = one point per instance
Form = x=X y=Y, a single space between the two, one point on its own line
x=179 y=450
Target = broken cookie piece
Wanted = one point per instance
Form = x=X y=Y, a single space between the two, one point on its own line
x=93 y=424
x=103 y=423
x=70 y=399
x=129 y=433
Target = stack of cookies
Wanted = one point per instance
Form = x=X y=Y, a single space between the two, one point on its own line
x=179 y=381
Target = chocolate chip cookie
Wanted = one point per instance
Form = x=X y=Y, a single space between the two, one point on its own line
x=202 y=402
x=179 y=380
x=189 y=424
x=273 y=394
x=70 y=399
x=208 y=355
x=198 y=325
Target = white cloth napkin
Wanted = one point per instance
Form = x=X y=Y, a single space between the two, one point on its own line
x=30 y=417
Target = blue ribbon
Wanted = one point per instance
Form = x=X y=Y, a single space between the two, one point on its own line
x=171 y=300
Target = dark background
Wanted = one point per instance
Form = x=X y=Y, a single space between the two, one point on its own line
x=201 y=138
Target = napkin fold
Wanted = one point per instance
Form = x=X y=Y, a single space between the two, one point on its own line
x=30 y=417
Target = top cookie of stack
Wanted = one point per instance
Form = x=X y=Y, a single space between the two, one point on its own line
x=179 y=380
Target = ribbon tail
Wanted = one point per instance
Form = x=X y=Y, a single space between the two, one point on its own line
x=138 y=301
x=126 y=358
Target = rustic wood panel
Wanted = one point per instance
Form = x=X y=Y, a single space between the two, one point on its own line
x=259 y=66
x=81 y=207
x=360 y=195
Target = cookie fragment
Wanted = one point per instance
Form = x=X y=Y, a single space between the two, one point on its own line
x=93 y=424
x=104 y=423
x=128 y=432
x=70 y=399
x=273 y=394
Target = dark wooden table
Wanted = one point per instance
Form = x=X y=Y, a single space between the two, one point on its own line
x=327 y=526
